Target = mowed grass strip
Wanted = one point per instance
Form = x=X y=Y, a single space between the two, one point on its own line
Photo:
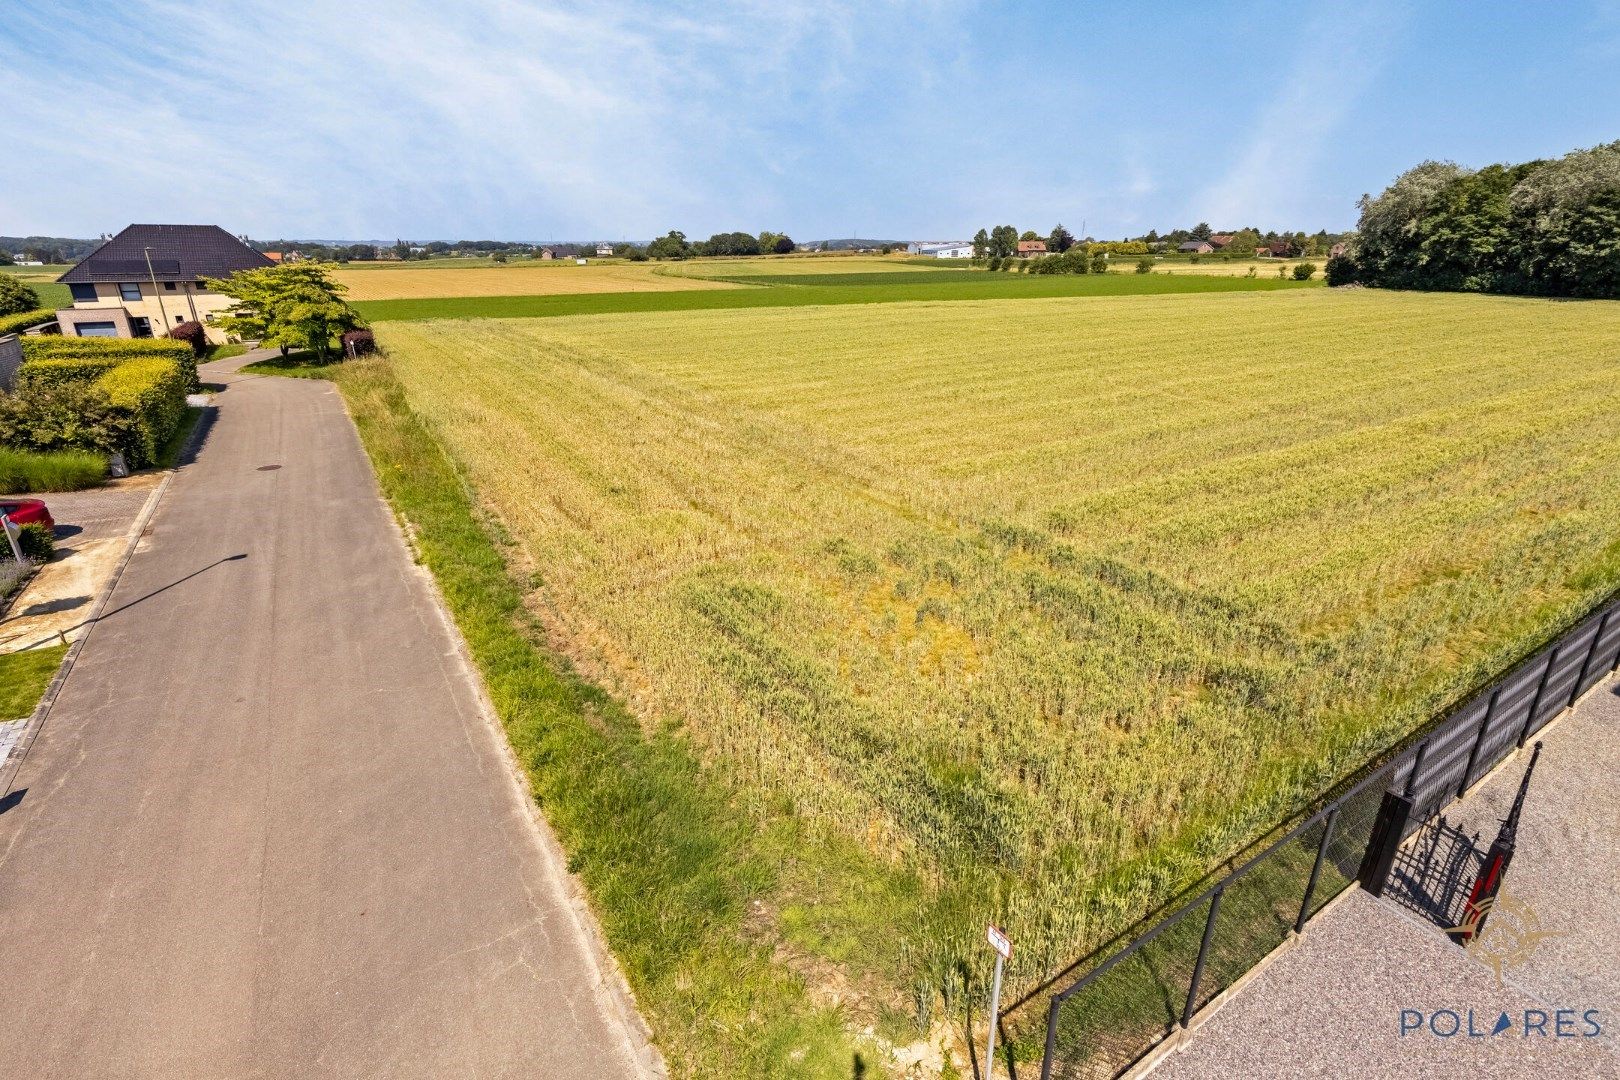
x=1053 y=602
x=821 y=289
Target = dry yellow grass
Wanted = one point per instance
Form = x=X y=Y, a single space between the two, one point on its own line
x=533 y=278
x=1061 y=597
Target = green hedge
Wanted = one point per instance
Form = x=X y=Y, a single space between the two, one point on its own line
x=55 y=372
x=151 y=394
x=54 y=347
x=24 y=320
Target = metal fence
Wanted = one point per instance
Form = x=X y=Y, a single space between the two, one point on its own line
x=1135 y=999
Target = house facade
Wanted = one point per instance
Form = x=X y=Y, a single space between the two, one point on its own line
x=149 y=279
x=953 y=251
x=1028 y=249
x=603 y=251
x=1197 y=247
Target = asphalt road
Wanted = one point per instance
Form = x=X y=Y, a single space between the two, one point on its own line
x=267 y=830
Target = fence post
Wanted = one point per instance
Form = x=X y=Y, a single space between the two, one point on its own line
x=1541 y=688
x=1203 y=954
x=1479 y=740
x=1316 y=868
x=1386 y=838
x=1051 y=1036
x=1586 y=665
x=1417 y=763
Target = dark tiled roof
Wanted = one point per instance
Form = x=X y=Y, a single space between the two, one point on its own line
x=179 y=253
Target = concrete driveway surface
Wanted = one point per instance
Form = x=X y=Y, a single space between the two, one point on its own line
x=267 y=829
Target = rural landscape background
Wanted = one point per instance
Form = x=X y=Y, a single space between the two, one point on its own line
x=838 y=598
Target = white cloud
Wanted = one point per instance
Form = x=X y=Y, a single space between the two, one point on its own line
x=418 y=118
x=1340 y=54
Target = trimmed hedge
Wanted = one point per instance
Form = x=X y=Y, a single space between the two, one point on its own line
x=35 y=373
x=117 y=349
x=24 y=320
x=152 y=395
x=37 y=543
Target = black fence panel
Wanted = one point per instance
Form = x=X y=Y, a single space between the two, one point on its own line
x=1131 y=1002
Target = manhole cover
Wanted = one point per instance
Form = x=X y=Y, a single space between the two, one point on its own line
x=268 y=468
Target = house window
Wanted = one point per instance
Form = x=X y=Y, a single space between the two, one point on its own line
x=83 y=294
x=129 y=290
x=168 y=286
x=139 y=327
x=96 y=329
x=178 y=319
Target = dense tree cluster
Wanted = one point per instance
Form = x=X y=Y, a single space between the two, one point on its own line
x=1546 y=228
x=674 y=245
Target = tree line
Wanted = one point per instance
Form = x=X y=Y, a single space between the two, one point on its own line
x=1001 y=242
x=1542 y=228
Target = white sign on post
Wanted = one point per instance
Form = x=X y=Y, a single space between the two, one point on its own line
x=13 y=534
x=1000 y=942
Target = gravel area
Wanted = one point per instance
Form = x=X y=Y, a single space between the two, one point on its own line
x=1332 y=1005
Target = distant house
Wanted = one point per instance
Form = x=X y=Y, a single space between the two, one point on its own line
x=273 y=256
x=1028 y=249
x=149 y=279
x=548 y=253
x=953 y=251
x=1277 y=249
x=1338 y=249
x=1220 y=240
x=603 y=251
x=1196 y=247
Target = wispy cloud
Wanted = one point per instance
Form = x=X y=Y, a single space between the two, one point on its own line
x=539 y=118
x=1340 y=54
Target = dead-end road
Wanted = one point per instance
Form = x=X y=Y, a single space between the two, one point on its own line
x=267 y=829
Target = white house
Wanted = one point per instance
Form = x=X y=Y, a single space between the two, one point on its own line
x=604 y=250
x=953 y=251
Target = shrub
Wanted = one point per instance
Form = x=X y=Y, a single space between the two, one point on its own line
x=995 y=262
x=1341 y=270
x=1193 y=258
x=36 y=542
x=64 y=470
x=1304 y=271
x=150 y=395
x=193 y=334
x=1099 y=262
x=359 y=343
x=23 y=320
x=118 y=349
x=1144 y=266
x=54 y=416
x=13 y=575
x=15 y=297
x=36 y=373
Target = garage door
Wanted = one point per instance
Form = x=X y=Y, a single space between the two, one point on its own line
x=97 y=329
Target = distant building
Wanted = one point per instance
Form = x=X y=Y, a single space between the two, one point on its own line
x=273 y=256
x=548 y=253
x=150 y=278
x=1277 y=249
x=604 y=250
x=953 y=251
x=1220 y=240
x=1028 y=249
x=1338 y=249
x=1196 y=247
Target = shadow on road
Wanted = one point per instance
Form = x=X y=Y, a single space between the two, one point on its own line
x=1435 y=871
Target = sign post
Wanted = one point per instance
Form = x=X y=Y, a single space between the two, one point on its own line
x=1000 y=942
x=12 y=533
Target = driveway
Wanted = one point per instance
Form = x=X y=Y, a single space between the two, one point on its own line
x=267 y=829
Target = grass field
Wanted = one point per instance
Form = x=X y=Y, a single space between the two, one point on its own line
x=865 y=287
x=1047 y=605
x=43 y=281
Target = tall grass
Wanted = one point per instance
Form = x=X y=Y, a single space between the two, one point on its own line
x=22 y=471
x=1046 y=605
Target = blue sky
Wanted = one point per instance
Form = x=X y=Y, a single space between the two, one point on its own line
x=582 y=120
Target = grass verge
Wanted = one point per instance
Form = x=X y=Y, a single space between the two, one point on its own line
x=24 y=676
x=23 y=471
x=168 y=455
x=808 y=290
x=671 y=868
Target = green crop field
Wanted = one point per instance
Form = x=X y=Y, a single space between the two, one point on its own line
x=820 y=289
x=1032 y=610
